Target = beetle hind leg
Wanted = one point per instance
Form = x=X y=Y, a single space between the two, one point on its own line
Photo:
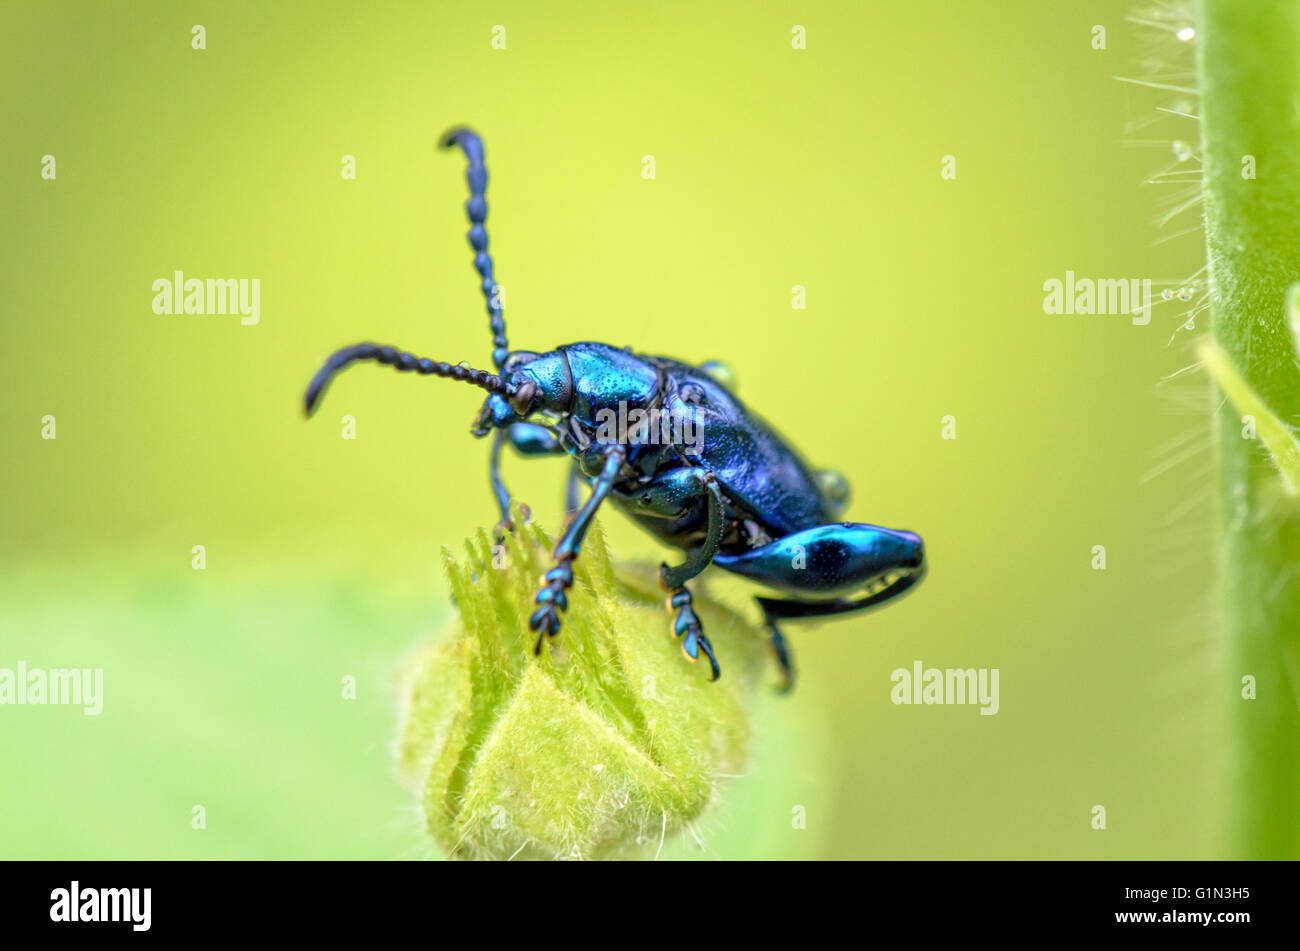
x=828 y=570
x=781 y=650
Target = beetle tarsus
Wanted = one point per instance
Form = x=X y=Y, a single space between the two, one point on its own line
x=551 y=600
x=687 y=627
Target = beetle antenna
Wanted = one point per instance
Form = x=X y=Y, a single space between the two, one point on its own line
x=476 y=208
x=398 y=360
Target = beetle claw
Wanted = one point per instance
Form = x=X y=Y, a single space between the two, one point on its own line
x=687 y=626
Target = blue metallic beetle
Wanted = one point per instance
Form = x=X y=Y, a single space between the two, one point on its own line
x=722 y=486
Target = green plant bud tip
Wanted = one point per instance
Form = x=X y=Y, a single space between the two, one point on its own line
x=603 y=745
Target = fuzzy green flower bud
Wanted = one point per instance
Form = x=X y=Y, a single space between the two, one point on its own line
x=601 y=746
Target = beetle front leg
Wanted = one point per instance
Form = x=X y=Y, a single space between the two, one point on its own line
x=552 y=598
x=527 y=439
x=571 y=490
x=499 y=489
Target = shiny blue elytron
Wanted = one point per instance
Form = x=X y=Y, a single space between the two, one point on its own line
x=672 y=446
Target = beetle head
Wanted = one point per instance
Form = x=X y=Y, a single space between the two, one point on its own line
x=535 y=383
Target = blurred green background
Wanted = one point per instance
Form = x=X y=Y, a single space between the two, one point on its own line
x=775 y=168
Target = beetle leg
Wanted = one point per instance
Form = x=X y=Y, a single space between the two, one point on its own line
x=672 y=578
x=782 y=651
x=776 y=610
x=499 y=488
x=527 y=439
x=552 y=599
x=822 y=568
x=571 y=490
x=534 y=439
x=686 y=625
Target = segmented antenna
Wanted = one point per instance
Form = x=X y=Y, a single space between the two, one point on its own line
x=398 y=360
x=476 y=209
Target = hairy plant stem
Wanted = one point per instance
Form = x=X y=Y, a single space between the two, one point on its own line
x=1248 y=61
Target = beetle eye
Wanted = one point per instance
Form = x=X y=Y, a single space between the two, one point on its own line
x=522 y=400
